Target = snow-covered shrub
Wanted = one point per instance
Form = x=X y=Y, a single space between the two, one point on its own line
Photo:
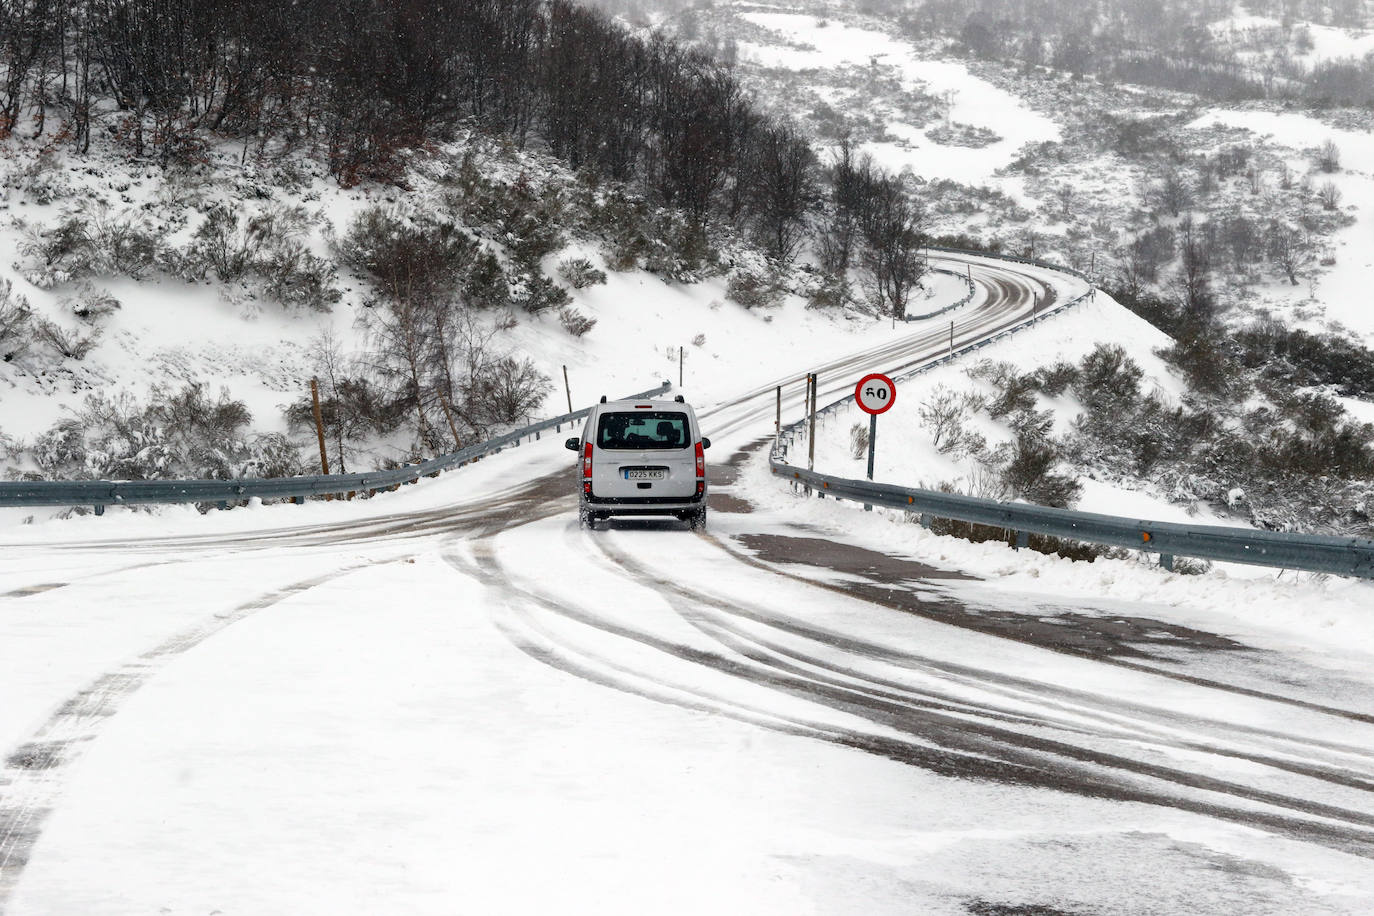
x=580 y=274
x=1014 y=391
x=295 y=277
x=1108 y=380
x=90 y=240
x=271 y=455
x=66 y=343
x=223 y=245
x=1030 y=475
x=1055 y=379
x=418 y=258
x=828 y=292
x=574 y=322
x=536 y=293
x=175 y=434
x=41 y=179
x=945 y=414
x=90 y=304
x=858 y=440
x=752 y=289
x=1188 y=566
x=15 y=320
x=267 y=247
x=523 y=216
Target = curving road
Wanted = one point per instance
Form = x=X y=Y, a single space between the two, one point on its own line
x=759 y=621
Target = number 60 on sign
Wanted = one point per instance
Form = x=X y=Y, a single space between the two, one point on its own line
x=875 y=393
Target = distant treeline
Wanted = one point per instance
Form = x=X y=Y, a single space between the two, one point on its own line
x=1167 y=43
x=365 y=79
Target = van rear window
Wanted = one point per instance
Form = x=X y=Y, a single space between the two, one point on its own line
x=644 y=429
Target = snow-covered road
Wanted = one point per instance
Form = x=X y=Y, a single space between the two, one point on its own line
x=452 y=699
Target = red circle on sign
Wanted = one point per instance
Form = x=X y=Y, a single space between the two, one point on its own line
x=875 y=393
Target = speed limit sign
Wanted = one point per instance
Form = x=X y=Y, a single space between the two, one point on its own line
x=875 y=393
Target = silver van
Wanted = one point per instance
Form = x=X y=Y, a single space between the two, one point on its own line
x=641 y=458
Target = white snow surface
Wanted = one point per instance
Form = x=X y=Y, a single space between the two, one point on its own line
x=383 y=728
x=973 y=101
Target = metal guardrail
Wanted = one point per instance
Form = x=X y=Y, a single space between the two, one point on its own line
x=102 y=493
x=952 y=306
x=1344 y=556
x=1034 y=262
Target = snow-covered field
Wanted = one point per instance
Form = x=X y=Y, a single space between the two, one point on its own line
x=1340 y=294
x=968 y=99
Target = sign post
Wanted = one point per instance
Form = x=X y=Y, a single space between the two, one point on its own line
x=875 y=394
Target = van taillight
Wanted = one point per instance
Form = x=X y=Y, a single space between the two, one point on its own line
x=587 y=468
x=701 y=461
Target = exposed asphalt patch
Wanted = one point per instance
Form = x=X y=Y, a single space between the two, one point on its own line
x=38 y=755
x=726 y=502
x=847 y=558
x=901 y=584
x=28 y=590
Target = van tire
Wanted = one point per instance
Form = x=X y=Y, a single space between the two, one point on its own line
x=697 y=520
x=585 y=519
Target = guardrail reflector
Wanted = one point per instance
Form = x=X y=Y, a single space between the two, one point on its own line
x=1145 y=536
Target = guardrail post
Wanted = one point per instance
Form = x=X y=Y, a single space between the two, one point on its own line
x=925 y=520
x=1166 y=562
x=222 y=505
x=1022 y=540
x=99 y=510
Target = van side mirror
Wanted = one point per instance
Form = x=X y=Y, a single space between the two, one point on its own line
x=573 y=444
x=705 y=442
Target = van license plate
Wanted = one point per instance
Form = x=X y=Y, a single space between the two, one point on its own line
x=645 y=473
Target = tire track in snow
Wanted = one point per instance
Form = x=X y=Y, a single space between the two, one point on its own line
x=941 y=737
x=34 y=775
x=1347 y=828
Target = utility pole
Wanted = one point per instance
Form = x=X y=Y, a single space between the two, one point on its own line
x=679 y=366
x=951 y=337
x=567 y=387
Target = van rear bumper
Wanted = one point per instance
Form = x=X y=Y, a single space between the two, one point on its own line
x=642 y=505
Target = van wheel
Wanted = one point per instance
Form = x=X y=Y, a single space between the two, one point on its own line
x=697 y=520
x=585 y=519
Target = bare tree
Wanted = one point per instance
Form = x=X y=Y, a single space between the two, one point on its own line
x=1329 y=157
x=894 y=235
x=1289 y=248
x=1329 y=195
x=784 y=189
x=1195 y=244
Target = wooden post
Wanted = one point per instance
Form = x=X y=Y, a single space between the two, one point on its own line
x=951 y=337
x=679 y=366
x=567 y=388
x=319 y=424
